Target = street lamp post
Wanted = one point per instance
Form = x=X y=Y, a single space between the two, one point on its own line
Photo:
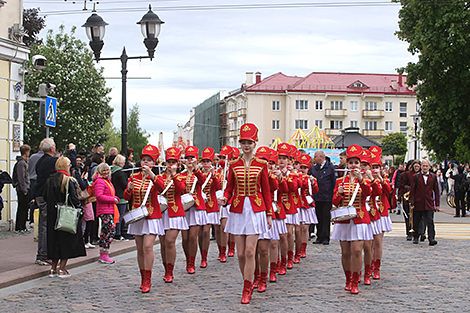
x=415 y=121
x=150 y=28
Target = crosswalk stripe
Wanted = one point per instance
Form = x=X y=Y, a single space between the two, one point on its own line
x=446 y=231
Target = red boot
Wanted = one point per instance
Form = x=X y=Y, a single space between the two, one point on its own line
x=191 y=268
x=141 y=279
x=303 y=250
x=169 y=273
x=218 y=258
x=355 y=283
x=166 y=271
x=278 y=264
x=290 y=259
x=282 y=268
x=256 y=279
x=377 y=269
x=297 y=256
x=204 y=258
x=360 y=274
x=231 y=249
x=222 y=256
x=272 y=273
x=348 y=280
x=147 y=281
x=246 y=296
x=367 y=274
x=262 y=282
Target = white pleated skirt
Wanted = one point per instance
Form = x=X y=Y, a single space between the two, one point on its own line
x=147 y=227
x=308 y=216
x=386 y=224
x=196 y=217
x=178 y=222
x=352 y=232
x=376 y=227
x=213 y=218
x=225 y=211
x=280 y=225
x=293 y=219
x=248 y=222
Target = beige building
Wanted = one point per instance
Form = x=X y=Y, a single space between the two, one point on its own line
x=13 y=55
x=378 y=104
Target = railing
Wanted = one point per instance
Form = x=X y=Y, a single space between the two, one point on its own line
x=336 y=113
x=233 y=115
x=373 y=114
x=241 y=112
x=332 y=132
x=373 y=133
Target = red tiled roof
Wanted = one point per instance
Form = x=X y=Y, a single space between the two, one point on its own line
x=333 y=83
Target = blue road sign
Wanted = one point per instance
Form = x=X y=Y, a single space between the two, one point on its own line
x=51 y=111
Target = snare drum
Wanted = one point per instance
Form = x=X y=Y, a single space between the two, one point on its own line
x=163 y=203
x=219 y=194
x=188 y=201
x=343 y=213
x=135 y=215
x=309 y=200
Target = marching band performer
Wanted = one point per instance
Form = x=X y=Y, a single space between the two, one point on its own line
x=354 y=232
x=307 y=214
x=210 y=186
x=251 y=209
x=382 y=205
x=146 y=229
x=196 y=216
x=221 y=236
x=231 y=238
x=174 y=218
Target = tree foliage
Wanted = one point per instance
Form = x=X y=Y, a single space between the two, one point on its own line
x=439 y=33
x=137 y=138
x=33 y=24
x=114 y=135
x=394 y=144
x=82 y=101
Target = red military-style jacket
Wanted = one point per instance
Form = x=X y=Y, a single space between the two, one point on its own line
x=382 y=202
x=197 y=194
x=376 y=193
x=280 y=186
x=249 y=180
x=173 y=194
x=304 y=191
x=288 y=197
x=359 y=203
x=212 y=186
x=138 y=194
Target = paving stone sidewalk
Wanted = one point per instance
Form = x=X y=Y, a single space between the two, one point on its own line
x=415 y=278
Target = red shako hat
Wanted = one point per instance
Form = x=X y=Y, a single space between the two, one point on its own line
x=226 y=151
x=151 y=151
x=249 y=131
x=365 y=156
x=236 y=152
x=264 y=152
x=173 y=153
x=305 y=160
x=297 y=156
x=376 y=155
x=274 y=156
x=283 y=149
x=208 y=154
x=354 y=151
x=191 y=151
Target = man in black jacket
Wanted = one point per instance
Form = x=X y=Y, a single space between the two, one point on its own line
x=21 y=183
x=324 y=172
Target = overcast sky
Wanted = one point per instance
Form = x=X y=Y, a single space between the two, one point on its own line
x=204 y=51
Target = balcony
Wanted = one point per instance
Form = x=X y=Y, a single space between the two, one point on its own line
x=373 y=114
x=232 y=115
x=242 y=112
x=233 y=133
x=332 y=132
x=378 y=133
x=336 y=113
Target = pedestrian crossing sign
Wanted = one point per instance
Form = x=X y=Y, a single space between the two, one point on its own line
x=51 y=111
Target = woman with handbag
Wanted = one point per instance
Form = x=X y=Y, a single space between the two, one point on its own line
x=146 y=229
x=106 y=209
x=62 y=245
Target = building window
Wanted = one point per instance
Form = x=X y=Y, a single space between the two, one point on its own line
x=336 y=105
x=388 y=126
x=403 y=128
x=354 y=106
x=371 y=106
x=319 y=123
x=371 y=125
x=276 y=106
x=354 y=124
x=403 y=109
x=302 y=124
x=319 y=105
x=276 y=124
x=388 y=106
x=336 y=124
x=301 y=105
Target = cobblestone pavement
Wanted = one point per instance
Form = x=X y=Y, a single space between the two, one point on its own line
x=415 y=278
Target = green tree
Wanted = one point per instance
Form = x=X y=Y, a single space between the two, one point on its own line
x=82 y=101
x=114 y=135
x=439 y=33
x=394 y=144
x=137 y=138
x=33 y=24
